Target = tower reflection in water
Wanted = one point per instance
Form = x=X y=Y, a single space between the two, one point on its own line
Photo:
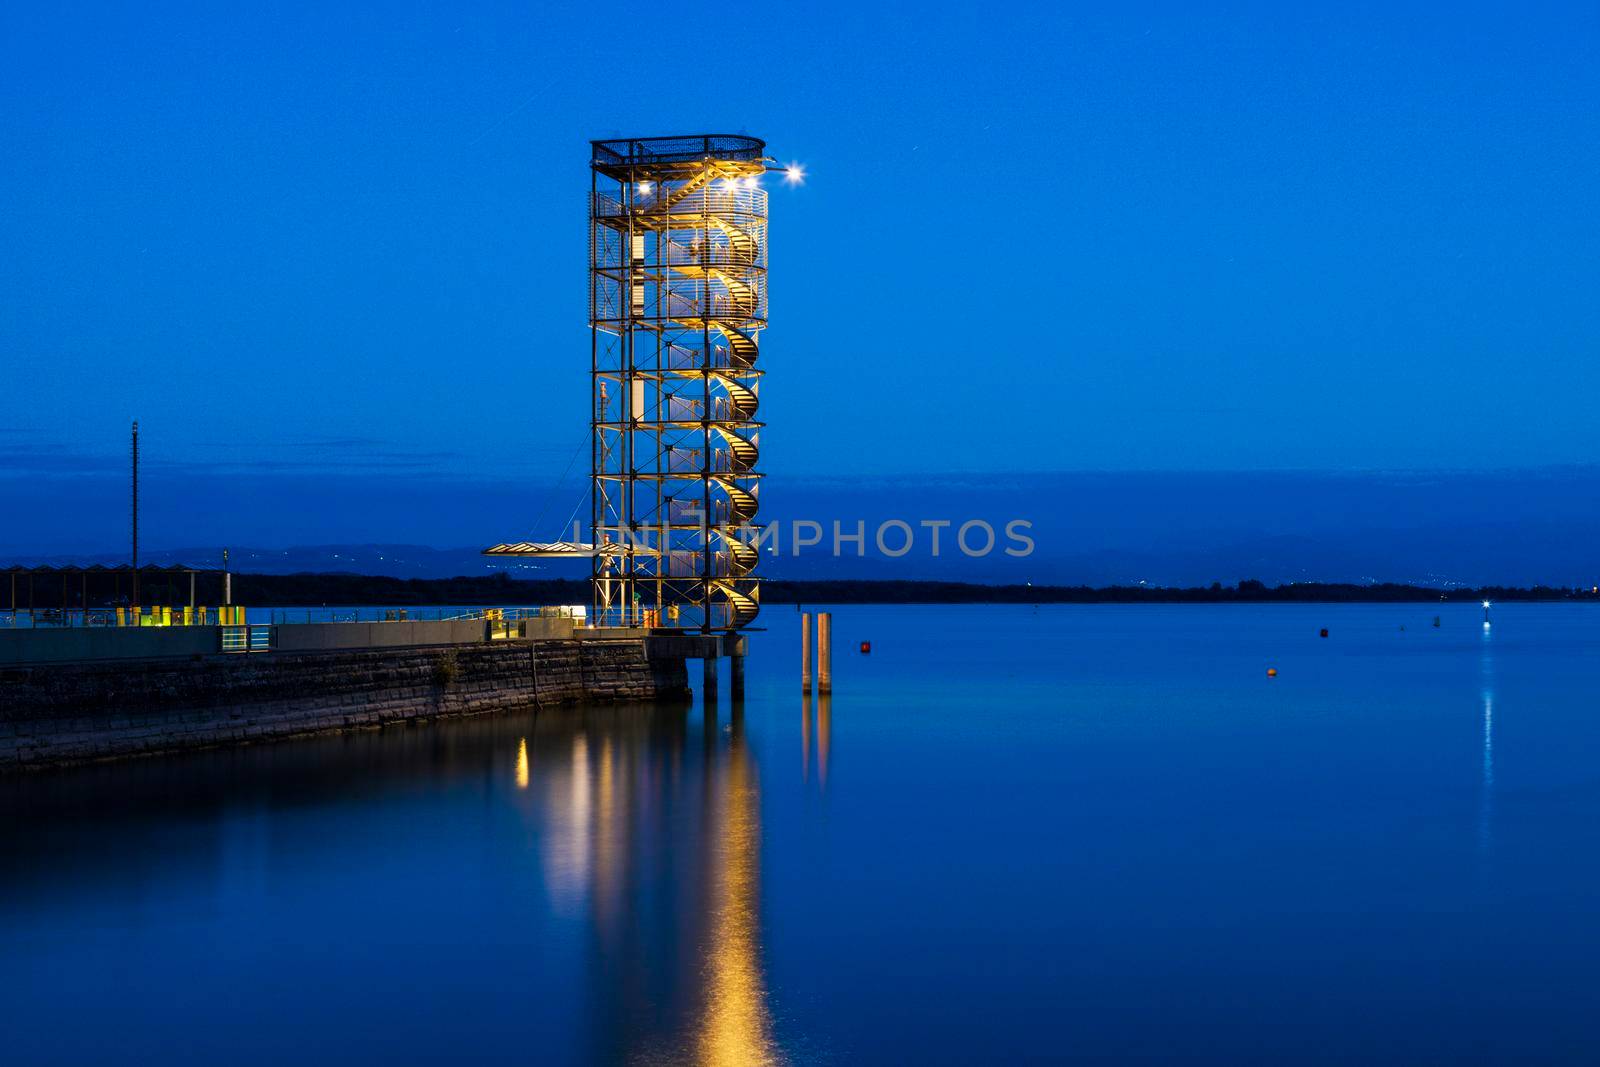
x=658 y=841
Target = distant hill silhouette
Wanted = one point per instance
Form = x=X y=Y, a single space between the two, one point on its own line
x=1420 y=528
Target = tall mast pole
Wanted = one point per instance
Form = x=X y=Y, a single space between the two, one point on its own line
x=136 y=514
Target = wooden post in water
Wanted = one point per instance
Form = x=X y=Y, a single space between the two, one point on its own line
x=825 y=652
x=805 y=652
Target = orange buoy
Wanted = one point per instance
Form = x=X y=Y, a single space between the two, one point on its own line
x=1272 y=672
x=866 y=647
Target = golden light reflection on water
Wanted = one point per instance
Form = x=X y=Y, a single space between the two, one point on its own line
x=566 y=849
x=736 y=1029
x=522 y=763
x=664 y=868
x=612 y=853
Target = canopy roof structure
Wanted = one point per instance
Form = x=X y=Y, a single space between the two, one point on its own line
x=546 y=549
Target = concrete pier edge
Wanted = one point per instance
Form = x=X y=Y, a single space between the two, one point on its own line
x=61 y=713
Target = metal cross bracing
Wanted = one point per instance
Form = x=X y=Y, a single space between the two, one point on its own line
x=677 y=302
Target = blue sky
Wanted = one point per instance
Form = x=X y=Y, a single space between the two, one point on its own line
x=311 y=243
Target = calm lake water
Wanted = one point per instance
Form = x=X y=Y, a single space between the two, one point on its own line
x=1012 y=835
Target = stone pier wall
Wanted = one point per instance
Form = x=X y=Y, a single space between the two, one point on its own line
x=57 y=714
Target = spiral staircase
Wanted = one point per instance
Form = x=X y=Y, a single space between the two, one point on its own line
x=733 y=309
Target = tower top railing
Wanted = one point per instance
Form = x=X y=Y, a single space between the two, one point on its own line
x=643 y=151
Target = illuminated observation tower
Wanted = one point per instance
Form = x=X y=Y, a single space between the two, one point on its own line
x=677 y=303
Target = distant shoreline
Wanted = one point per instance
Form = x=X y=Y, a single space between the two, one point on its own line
x=300 y=590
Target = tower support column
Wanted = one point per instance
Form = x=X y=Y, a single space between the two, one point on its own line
x=708 y=680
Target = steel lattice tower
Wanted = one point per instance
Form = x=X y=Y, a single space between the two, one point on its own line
x=677 y=302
